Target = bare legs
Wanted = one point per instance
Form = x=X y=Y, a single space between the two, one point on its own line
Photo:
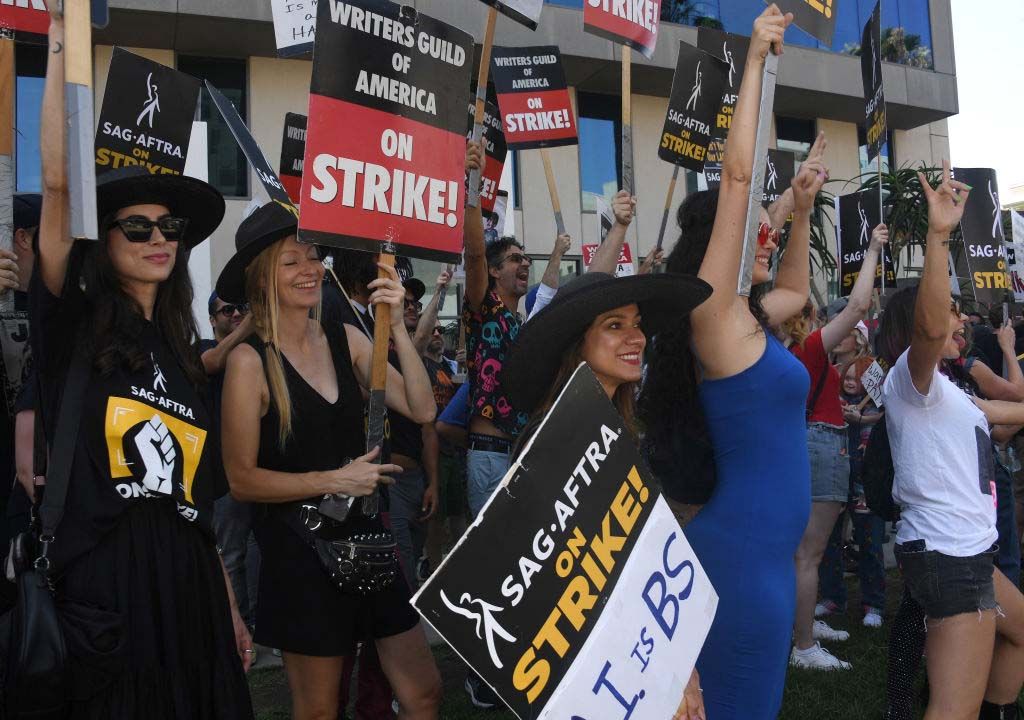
x=808 y=557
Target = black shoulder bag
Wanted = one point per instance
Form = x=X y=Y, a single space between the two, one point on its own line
x=36 y=684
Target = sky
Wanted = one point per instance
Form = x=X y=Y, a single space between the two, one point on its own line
x=988 y=36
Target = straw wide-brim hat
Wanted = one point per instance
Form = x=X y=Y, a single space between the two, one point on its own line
x=257 y=232
x=199 y=202
x=539 y=349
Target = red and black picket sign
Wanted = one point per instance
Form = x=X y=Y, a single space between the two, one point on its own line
x=27 y=21
x=633 y=23
x=871 y=74
x=147 y=115
x=982 y=229
x=525 y=12
x=534 y=99
x=386 y=139
x=496 y=150
x=693 y=106
x=293 y=152
x=857 y=214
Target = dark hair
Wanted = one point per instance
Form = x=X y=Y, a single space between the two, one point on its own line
x=669 y=409
x=995 y=316
x=211 y=304
x=496 y=252
x=116 y=318
x=355 y=269
x=896 y=325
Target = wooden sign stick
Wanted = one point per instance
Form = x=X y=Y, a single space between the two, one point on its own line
x=7 y=157
x=481 y=100
x=377 y=414
x=556 y=204
x=627 y=119
x=668 y=206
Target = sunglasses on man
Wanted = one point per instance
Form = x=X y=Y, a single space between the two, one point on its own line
x=517 y=258
x=138 y=228
x=229 y=310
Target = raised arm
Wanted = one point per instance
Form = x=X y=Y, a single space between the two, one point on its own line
x=428 y=319
x=793 y=280
x=553 y=271
x=606 y=257
x=54 y=229
x=991 y=385
x=1001 y=412
x=724 y=331
x=475 y=249
x=216 y=358
x=932 y=308
x=860 y=297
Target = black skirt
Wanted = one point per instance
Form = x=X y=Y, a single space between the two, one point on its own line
x=148 y=625
x=299 y=609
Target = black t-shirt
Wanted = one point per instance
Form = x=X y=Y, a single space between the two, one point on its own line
x=144 y=436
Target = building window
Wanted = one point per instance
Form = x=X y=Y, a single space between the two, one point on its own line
x=228 y=168
x=795 y=135
x=30 y=66
x=567 y=270
x=600 y=151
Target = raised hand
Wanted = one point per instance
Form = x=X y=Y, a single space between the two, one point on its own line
x=769 y=29
x=946 y=202
x=8 y=271
x=879 y=237
x=389 y=291
x=654 y=259
x=1007 y=338
x=623 y=207
x=474 y=156
x=562 y=244
x=443 y=279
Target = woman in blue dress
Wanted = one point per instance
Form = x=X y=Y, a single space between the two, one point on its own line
x=722 y=392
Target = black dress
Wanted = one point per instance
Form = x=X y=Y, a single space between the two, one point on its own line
x=142 y=595
x=299 y=609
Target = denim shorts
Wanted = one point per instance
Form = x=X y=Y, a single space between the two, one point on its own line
x=830 y=464
x=945 y=585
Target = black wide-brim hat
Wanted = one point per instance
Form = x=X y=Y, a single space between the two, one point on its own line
x=199 y=202
x=538 y=352
x=257 y=232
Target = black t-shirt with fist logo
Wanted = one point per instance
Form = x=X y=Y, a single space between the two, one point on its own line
x=145 y=435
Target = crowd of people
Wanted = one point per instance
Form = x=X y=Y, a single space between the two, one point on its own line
x=221 y=494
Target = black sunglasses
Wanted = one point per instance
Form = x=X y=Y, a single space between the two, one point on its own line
x=140 y=229
x=229 y=310
x=518 y=259
x=414 y=303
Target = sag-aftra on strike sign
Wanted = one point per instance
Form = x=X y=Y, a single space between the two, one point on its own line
x=386 y=140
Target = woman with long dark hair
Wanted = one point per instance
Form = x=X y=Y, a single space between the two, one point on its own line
x=945 y=486
x=605 y=322
x=728 y=392
x=292 y=419
x=148 y=616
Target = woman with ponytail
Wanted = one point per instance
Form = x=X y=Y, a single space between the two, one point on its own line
x=723 y=384
x=292 y=421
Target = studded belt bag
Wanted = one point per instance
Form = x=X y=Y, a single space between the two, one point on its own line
x=360 y=562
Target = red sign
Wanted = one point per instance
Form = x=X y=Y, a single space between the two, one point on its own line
x=625 y=255
x=629 y=22
x=536 y=110
x=25 y=16
x=385 y=142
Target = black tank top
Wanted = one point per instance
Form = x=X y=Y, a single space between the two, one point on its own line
x=324 y=436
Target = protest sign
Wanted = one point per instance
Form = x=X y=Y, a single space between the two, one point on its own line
x=293 y=152
x=573 y=597
x=24 y=20
x=533 y=97
x=982 y=230
x=271 y=183
x=496 y=150
x=872 y=380
x=778 y=175
x=525 y=12
x=1015 y=255
x=732 y=49
x=294 y=26
x=693 y=106
x=395 y=81
x=146 y=117
x=633 y=23
x=857 y=214
x=871 y=75
x=817 y=18
x=494 y=220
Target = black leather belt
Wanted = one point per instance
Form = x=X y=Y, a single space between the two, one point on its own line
x=489 y=443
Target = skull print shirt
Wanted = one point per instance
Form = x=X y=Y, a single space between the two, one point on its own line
x=145 y=433
x=490 y=333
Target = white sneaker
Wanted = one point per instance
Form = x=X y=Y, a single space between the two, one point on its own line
x=825 y=607
x=872 y=618
x=817 y=658
x=821 y=630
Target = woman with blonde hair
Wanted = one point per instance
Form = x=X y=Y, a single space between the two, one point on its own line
x=292 y=421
